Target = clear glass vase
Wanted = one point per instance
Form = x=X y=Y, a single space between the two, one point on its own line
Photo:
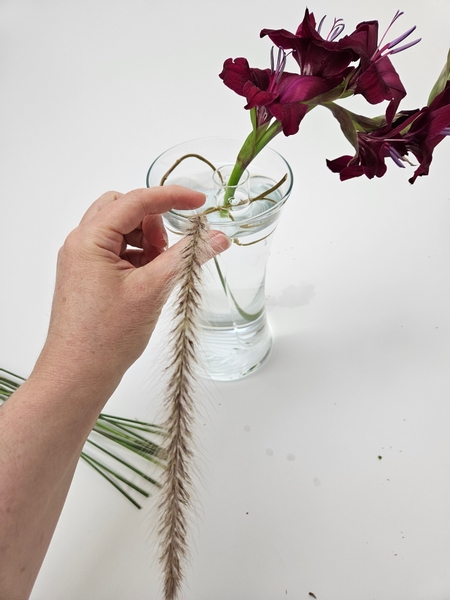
x=234 y=335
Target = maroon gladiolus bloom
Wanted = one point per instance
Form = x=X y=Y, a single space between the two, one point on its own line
x=331 y=67
x=375 y=78
x=428 y=130
x=373 y=148
x=417 y=132
x=273 y=92
x=315 y=55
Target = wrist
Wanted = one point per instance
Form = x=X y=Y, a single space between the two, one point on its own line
x=68 y=392
x=77 y=371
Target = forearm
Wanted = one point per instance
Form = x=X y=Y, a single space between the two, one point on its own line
x=43 y=427
x=113 y=278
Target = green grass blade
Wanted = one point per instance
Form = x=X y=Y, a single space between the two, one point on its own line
x=111 y=481
x=118 y=476
x=124 y=462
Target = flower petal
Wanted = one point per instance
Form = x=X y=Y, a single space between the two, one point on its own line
x=301 y=88
x=235 y=74
x=289 y=115
x=256 y=96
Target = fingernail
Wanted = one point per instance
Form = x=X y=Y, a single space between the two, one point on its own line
x=164 y=241
x=219 y=241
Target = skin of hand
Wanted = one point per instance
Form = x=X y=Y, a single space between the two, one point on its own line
x=113 y=278
x=108 y=297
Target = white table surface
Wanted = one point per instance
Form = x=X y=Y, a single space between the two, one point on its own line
x=293 y=497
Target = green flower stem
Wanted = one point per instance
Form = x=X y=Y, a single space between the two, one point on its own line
x=254 y=143
x=226 y=289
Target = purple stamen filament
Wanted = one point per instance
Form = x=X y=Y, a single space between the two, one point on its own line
x=390 y=48
x=277 y=71
x=322 y=20
x=396 y=156
x=337 y=29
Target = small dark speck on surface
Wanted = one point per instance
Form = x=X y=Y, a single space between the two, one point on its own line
x=379 y=457
x=312 y=595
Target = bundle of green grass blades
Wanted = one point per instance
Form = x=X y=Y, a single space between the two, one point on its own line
x=117 y=448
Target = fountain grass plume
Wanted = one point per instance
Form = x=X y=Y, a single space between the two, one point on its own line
x=176 y=495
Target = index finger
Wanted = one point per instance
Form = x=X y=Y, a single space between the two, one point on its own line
x=127 y=212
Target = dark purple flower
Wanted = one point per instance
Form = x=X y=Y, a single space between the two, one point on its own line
x=417 y=132
x=273 y=92
x=373 y=148
x=428 y=130
x=315 y=55
x=374 y=77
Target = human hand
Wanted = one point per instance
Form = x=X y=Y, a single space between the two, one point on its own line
x=113 y=278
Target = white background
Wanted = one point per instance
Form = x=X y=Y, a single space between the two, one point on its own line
x=293 y=496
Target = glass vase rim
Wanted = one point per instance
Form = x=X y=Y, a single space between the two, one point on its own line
x=266 y=150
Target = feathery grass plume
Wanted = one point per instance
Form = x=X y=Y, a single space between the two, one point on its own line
x=175 y=503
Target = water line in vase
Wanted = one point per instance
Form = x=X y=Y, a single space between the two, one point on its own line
x=224 y=211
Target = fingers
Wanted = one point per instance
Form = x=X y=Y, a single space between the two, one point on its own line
x=169 y=260
x=151 y=238
x=152 y=230
x=219 y=242
x=155 y=235
x=127 y=215
x=137 y=258
x=99 y=204
x=163 y=269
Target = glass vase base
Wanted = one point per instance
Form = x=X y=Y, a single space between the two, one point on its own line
x=231 y=353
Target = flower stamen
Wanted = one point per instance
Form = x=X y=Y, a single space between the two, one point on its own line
x=336 y=30
x=277 y=71
x=397 y=15
x=396 y=156
x=390 y=47
x=319 y=27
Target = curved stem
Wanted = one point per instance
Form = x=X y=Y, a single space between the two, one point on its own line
x=226 y=288
x=180 y=160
